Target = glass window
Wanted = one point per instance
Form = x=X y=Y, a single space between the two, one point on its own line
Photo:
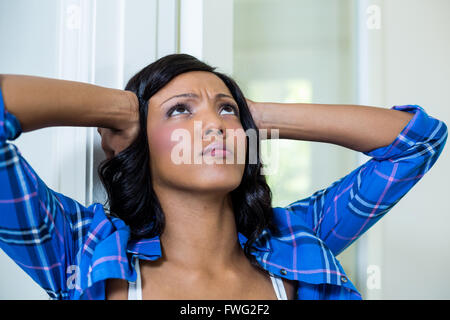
x=299 y=51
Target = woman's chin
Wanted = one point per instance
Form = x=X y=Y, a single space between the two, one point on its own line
x=219 y=179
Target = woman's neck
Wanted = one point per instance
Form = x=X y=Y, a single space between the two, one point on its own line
x=200 y=233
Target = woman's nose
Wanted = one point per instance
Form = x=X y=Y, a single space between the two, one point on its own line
x=211 y=130
x=212 y=123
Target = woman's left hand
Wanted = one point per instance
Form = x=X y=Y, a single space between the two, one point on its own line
x=116 y=140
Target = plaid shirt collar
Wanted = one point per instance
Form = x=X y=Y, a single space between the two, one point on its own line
x=150 y=248
x=277 y=255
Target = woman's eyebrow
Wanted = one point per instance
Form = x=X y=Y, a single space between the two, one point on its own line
x=193 y=95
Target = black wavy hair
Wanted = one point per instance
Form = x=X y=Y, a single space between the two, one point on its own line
x=127 y=178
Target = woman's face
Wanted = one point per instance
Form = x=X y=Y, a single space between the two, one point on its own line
x=192 y=111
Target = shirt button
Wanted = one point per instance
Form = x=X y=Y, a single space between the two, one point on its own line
x=283 y=272
x=344 y=279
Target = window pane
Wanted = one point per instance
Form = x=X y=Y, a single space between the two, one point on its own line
x=300 y=51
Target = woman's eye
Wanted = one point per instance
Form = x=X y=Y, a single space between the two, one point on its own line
x=177 y=110
x=229 y=109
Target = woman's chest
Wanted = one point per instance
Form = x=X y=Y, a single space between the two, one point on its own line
x=158 y=287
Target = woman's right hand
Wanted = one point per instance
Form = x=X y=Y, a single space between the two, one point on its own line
x=117 y=140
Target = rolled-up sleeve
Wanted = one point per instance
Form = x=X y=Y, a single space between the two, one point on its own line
x=342 y=212
x=40 y=229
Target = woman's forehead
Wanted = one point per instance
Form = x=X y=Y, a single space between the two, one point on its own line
x=195 y=82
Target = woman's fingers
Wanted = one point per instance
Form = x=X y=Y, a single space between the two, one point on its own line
x=115 y=141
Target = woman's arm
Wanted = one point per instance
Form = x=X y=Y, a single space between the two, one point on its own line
x=39 y=102
x=40 y=229
x=403 y=142
x=359 y=128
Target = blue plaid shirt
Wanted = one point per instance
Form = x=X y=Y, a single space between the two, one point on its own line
x=70 y=250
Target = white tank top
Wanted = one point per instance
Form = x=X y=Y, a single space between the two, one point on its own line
x=135 y=288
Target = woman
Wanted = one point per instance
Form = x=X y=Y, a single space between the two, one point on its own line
x=197 y=230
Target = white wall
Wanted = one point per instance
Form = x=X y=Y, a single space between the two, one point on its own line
x=97 y=41
x=408 y=63
x=417 y=70
x=29 y=46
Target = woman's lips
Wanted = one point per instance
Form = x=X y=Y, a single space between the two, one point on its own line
x=216 y=149
x=219 y=152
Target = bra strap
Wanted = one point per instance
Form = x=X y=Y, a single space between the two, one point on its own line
x=135 y=288
x=279 y=287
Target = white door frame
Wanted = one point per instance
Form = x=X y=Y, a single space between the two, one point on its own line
x=370 y=92
x=205 y=34
x=144 y=30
